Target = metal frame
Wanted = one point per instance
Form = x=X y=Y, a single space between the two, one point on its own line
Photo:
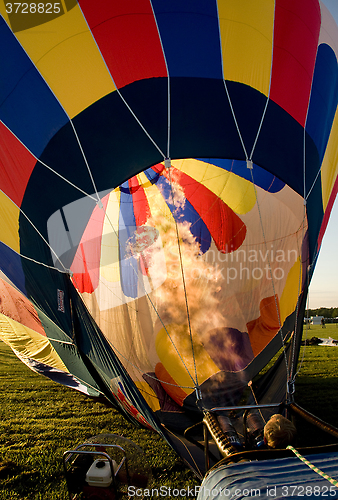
x=246 y=409
x=69 y=454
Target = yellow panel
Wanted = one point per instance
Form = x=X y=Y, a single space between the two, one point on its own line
x=174 y=348
x=148 y=394
x=237 y=193
x=291 y=291
x=26 y=343
x=246 y=28
x=9 y=227
x=109 y=262
x=67 y=56
x=329 y=170
x=3 y=12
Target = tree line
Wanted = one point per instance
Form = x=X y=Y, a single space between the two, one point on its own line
x=331 y=312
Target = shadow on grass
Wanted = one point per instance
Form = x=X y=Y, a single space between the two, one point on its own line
x=9 y=469
x=319 y=397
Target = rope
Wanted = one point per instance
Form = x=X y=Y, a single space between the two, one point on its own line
x=306 y=328
x=256 y=401
x=164 y=157
x=99 y=202
x=142 y=285
x=173 y=344
x=137 y=368
x=183 y=280
x=235 y=120
x=310 y=266
x=74 y=130
x=313 y=467
x=269 y=264
x=46 y=242
x=43 y=239
x=48 y=167
x=306 y=196
x=129 y=306
x=121 y=96
x=168 y=81
x=249 y=162
x=292 y=368
x=86 y=163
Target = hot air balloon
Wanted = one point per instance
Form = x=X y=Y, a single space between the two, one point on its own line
x=167 y=174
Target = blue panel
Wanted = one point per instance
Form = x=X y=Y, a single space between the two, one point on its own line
x=152 y=175
x=261 y=177
x=191 y=30
x=187 y=213
x=10 y=265
x=315 y=213
x=27 y=106
x=127 y=228
x=324 y=98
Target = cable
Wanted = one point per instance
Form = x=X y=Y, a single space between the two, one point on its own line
x=313 y=467
x=183 y=276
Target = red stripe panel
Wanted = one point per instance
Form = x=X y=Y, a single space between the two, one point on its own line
x=296 y=32
x=226 y=228
x=18 y=307
x=128 y=39
x=86 y=263
x=158 y=168
x=16 y=166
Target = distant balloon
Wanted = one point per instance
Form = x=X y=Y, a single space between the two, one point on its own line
x=167 y=174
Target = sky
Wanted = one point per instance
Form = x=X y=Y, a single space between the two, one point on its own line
x=324 y=284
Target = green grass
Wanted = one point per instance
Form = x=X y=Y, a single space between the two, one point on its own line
x=41 y=419
x=317 y=382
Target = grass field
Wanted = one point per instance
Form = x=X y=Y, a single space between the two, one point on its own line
x=317 y=382
x=41 y=419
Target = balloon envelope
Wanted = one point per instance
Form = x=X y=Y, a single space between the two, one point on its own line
x=167 y=174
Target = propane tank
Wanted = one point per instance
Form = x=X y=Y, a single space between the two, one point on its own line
x=223 y=443
x=229 y=431
x=255 y=428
